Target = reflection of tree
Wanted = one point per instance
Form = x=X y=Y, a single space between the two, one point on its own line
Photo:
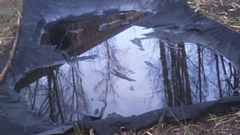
x=200 y=71
x=53 y=98
x=112 y=67
x=186 y=75
x=55 y=94
x=73 y=95
x=218 y=77
x=31 y=93
x=179 y=76
x=228 y=82
x=236 y=82
x=107 y=80
x=166 y=81
x=232 y=76
x=51 y=104
x=174 y=73
x=212 y=79
x=190 y=75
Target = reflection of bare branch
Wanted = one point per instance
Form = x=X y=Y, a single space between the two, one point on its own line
x=55 y=88
x=59 y=91
x=195 y=66
x=73 y=83
x=121 y=75
x=111 y=61
x=149 y=64
x=42 y=107
x=35 y=94
x=99 y=84
x=50 y=99
x=112 y=67
x=86 y=57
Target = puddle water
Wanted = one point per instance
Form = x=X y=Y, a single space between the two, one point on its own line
x=129 y=75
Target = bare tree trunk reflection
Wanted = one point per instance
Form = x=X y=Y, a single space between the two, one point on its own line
x=177 y=91
x=218 y=77
x=166 y=82
x=108 y=84
x=199 y=87
x=50 y=99
x=43 y=107
x=226 y=78
x=55 y=88
x=173 y=76
x=185 y=75
x=34 y=95
x=236 y=83
x=63 y=92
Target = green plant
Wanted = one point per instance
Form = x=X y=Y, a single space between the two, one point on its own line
x=77 y=130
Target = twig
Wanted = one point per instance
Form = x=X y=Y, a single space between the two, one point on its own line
x=221 y=2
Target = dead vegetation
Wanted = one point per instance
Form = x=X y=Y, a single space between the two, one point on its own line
x=210 y=124
x=9 y=12
x=228 y=124
x=223 y=11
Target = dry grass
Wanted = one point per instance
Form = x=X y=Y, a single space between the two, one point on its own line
x=9 y=12
x=223 y=11
x=228 y=124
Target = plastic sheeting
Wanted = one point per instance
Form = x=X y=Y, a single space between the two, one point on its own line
x=176 y=25
x=113 y=122
x=173 y=22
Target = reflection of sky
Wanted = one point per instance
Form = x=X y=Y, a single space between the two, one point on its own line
x=132 y=98
x=129 y=101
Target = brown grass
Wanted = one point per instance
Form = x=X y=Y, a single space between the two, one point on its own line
x=228 y=124
x=223 y=11
x=9 y=12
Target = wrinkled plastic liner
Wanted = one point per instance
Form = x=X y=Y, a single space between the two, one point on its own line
x=112 y=123
x=173 y=22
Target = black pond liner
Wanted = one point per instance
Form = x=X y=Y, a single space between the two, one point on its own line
x=172 y=20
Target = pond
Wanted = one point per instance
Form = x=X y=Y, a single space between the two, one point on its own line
x=128 y=74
